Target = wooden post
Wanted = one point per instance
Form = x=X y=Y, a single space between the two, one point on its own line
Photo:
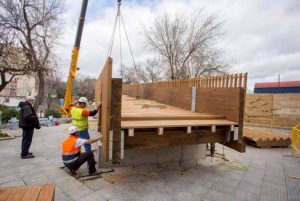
x=116 y=119
x=235 y=80
x=240 y=79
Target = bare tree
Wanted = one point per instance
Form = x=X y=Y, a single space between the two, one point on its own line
x=85 y=86
x=52 y=80
x=186 y=44
x=129 y=75
x=35 y=25
x=12 y=60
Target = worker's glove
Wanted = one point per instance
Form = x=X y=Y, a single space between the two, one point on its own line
x=38 y=126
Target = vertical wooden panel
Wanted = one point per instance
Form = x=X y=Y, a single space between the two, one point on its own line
x=103 y=94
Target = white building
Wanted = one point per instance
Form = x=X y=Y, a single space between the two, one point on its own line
x=18 y=89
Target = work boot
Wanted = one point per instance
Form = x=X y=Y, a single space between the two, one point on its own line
x=30 y=153
x=73 y=172
x=27 y=156
x=92 y=171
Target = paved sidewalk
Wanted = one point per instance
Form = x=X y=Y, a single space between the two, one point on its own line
x=258 y=174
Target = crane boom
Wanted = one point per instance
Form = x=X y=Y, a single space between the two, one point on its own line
x=74 y=58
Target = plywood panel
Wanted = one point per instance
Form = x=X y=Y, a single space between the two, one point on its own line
x=259 y=105
x=223 y=101
x=103 y=94
x=286 y=105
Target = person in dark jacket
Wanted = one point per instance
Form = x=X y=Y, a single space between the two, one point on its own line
x=28 y=122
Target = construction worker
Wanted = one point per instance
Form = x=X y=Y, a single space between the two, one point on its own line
x=80 y=119
x=71 y=155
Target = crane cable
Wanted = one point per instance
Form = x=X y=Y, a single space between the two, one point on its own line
x=118 y=20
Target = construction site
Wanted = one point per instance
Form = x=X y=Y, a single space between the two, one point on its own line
x=202 y=138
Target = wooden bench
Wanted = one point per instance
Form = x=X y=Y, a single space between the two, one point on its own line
x=28 y=193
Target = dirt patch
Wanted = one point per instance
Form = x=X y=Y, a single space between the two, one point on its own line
x=116 y=178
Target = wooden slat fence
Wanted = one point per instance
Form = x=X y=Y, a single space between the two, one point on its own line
x=226 y=81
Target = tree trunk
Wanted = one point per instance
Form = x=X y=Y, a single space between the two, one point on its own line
x=40 y=96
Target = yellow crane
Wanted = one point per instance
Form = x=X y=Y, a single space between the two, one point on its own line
x=64 y=110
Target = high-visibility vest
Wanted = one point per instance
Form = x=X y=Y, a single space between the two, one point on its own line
x=78 y=120
x=69 y=152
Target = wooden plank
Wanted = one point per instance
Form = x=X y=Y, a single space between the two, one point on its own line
x=116 y=119
x=4 y=193
x=103 y=94
x=171 y=116
x=175 y=123
x=18 y=195
x=32 y=193
x=47 y=193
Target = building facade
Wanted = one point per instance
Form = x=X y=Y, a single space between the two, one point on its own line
x=277 y=87
x=18 y=89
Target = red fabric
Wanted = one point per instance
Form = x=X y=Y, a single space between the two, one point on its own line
x=276 y=84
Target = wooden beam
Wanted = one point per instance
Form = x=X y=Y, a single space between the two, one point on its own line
x=116 y=119
x=144 y=140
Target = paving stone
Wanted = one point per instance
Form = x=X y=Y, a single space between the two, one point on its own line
x=293 y=189
x=97 y=195
x=244 y=195
x=97 y=184
x=183 y=196
x=272 y=192
x=216 y=196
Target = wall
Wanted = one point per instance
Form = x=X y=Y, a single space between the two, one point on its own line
x=281 y=110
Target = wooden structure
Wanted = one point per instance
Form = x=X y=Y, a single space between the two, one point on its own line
x=280 y=110
x=265 y=139
x=169 y=113
x=28 y=193
x=108 y=91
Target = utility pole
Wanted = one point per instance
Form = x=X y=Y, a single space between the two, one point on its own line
x=278 y=83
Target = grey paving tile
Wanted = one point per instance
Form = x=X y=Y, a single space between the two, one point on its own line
x=273 y=192
x=216 y=196
x=244 y=195
x=93 y=197
x=293 y=189
x=224 y=188
x=183 y=195
x=97 y=184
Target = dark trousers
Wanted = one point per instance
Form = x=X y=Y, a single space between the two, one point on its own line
x=26 y=140
x=86 y=156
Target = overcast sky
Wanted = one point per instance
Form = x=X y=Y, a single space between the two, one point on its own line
x=261 y=37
